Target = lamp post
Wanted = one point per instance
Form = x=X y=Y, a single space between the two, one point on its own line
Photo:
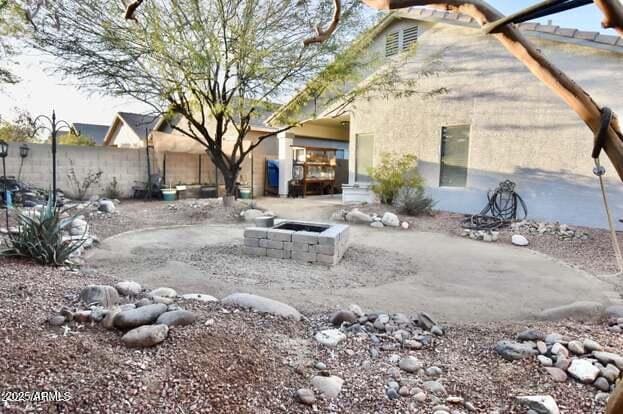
x=4 y=151
x=54 y=126
x=23 y=153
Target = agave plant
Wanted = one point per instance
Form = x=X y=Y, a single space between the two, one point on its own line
x=40 y=236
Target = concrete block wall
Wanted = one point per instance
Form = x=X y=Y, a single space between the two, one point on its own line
x=126 y=165
x=326 y=247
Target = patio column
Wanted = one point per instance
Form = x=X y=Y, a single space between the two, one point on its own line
x=285 y=141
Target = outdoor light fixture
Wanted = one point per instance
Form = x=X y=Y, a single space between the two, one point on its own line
x=53 y=126
x=23 y=151
x=4 y=151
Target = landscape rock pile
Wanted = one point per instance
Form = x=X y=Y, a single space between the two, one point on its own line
x=145 y=318
x=356 y=216
x=561 y=231
x=583 y=360
x=483 y=235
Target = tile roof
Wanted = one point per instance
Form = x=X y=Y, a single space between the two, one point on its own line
x=139 y=122
x=97 y=132
x=562 y=34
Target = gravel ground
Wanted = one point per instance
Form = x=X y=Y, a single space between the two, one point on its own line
x=247 y=362
x=594 y=255
x=226 y=263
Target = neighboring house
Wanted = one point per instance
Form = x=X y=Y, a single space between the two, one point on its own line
x=184 y=160
x=129 y=130
x=93 y=131
x=494 y=121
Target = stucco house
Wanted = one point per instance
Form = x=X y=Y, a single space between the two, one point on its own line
x=129 y=130
x=491 y=120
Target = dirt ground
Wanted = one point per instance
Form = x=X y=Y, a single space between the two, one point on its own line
x=236 y=361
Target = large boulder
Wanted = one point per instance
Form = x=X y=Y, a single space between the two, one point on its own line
x=512 y=350
x=145 y=336
x=102 y=295
x=262 y=304
x=390 y=219
x=128 y=288
x=176 y=318
x=144 y=315
x=358 y=217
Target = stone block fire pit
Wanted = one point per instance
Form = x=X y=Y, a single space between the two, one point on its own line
x=298 y=240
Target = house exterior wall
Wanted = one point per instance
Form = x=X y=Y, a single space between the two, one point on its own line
x=124 y=137
x=126 y=165
x=520 y=130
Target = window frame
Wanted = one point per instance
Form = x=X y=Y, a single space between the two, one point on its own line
x=469 y=150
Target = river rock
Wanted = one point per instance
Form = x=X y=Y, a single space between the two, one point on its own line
x=106 y=206
x=583 y=370
x=108 y=321
x=330 y=337
x=609 y=357
x=342 y=316
x=176 y=318
x=56 y=320
x=390 y=219
x=163 y=292
x=330 y=386
x=519 y=240
x=200 y=297
x=545 y=361
x=541 y=404
x=358 y=217
x=145 y=336
x=576 y=347
x=102 y=295
x=410 y=364
x=590 y=345
x=531 y=335
x=128 y=288
x=262 y=304
x=602 y=384
x=140 y=316
x=435 y=387
x=557 y=374
x=425 y=321
x=305 y=396
x=610 y=372
x=512 y=351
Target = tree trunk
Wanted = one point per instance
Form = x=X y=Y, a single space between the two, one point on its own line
x=516 y=43
x=230 y=176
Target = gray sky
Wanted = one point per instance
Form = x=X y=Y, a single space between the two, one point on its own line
x=40 y=90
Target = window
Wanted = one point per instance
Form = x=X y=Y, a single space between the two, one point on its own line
x=454 y=156
x=391 y=44
x=364 y=152
x=409 y=37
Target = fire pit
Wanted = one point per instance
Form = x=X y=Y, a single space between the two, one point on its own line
x=298 y=240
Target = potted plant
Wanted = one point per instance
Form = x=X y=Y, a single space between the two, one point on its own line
x=169 y=194
x=245 y=190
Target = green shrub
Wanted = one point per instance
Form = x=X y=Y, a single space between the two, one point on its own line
x=112 y=191
x=413 y=201
x=40 y=237
x=394 y=172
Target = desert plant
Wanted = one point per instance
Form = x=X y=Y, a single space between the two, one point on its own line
x=79 y=187
x=413 y=201
x=40 y=236
x=112 y=191
x=394 y=172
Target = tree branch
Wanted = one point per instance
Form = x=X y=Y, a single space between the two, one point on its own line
x=613 y=14
x=323 y=35
x=520 y=47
